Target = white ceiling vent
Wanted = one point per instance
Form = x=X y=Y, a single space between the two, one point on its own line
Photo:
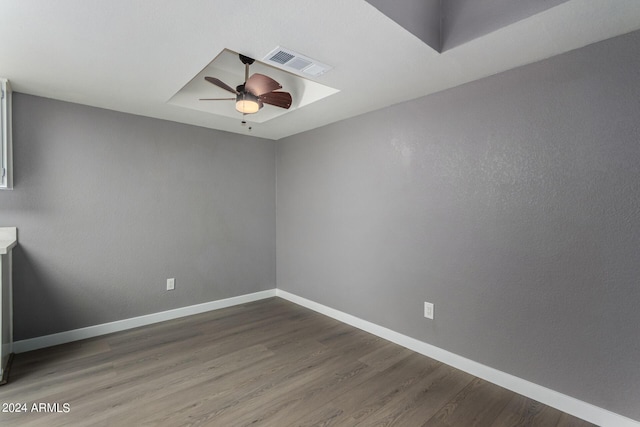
x=293 y=61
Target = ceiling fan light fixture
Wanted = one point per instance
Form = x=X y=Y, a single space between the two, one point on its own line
x=247 y=103
x=256 y=91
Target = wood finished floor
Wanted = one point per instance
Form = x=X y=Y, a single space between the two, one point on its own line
x=267 y=363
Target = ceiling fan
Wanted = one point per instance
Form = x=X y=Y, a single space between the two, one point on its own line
x=256 y=91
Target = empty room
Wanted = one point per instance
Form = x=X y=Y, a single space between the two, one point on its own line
x=320 y=213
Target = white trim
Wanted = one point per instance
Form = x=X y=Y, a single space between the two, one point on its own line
x=134 y=322
x=8 y=239
x=568 y=404
x=6 y=144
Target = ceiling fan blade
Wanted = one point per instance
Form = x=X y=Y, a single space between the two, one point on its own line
x=259 y=84
x=217 y=99
x=221 y=84
x=278 y=99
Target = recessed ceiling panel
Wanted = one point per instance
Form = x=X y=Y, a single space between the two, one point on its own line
x=228 y=68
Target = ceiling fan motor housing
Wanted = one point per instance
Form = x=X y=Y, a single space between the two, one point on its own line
x=245 y=59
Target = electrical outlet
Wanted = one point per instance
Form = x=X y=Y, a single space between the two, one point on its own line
x=171 y=284
x=428 y=310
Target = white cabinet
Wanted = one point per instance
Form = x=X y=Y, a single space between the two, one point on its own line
x=8 y=239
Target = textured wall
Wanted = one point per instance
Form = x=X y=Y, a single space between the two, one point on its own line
x=110 y=205
x=512 y=203
x=420 y=17
x=466 y=20
x=444 y=25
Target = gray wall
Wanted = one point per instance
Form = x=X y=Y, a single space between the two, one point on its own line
x=444 y=25
x=512 y=203
x=466 y=20
x=420 y=17
x=110 y=205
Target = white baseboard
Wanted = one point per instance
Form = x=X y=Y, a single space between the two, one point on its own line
x=134 y=322
x=568 y=404
x=564 y=403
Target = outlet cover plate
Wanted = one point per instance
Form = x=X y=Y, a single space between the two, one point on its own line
x=428 y=310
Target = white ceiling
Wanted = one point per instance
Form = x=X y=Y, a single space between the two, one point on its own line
x=134 y=56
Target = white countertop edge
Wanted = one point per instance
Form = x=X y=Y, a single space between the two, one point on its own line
x=8 y=239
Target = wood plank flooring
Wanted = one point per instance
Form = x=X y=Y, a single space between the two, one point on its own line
x=267 y=363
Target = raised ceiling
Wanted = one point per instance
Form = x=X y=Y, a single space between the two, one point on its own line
x=228 y=68
x=135 y=56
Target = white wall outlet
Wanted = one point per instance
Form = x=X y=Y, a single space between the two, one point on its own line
x=171 y=284
x=428 y=310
